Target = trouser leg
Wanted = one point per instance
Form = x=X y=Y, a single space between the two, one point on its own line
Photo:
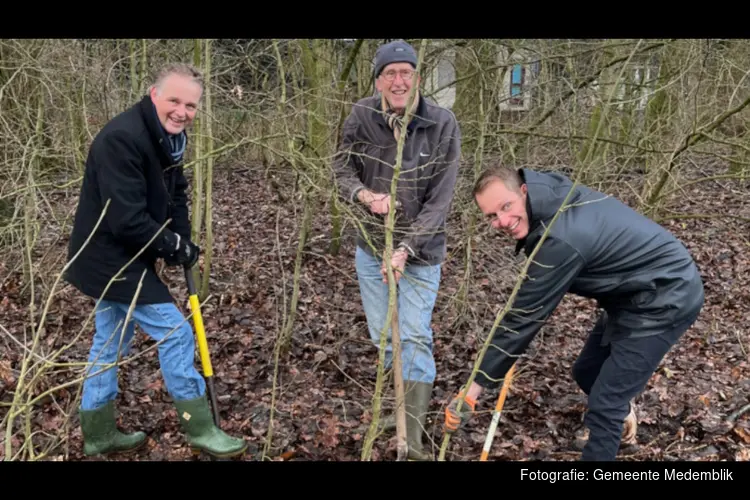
x=374 y=296
x=166 y=325
x=593 y=355
x=417 y=293
x=623 y=375
x=111 y=342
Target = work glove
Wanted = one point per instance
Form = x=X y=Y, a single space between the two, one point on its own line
x=186 y=253
x=455 y=419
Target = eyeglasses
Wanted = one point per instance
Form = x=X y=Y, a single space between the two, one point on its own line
x=405 y=74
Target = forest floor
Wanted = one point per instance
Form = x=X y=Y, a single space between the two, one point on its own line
x=325 y=386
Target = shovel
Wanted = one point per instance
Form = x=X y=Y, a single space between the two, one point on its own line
x=208 y=372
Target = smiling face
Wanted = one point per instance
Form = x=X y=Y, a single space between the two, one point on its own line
x=176 y=100
x=505 y=208
x=394 y=82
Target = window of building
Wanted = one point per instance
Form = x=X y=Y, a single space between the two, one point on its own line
x=517 y=77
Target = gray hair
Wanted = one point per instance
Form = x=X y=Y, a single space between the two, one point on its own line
x=182 y=69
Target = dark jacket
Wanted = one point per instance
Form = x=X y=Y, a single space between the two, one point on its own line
x=130 y=165
x=599 y=248
x=431 y=155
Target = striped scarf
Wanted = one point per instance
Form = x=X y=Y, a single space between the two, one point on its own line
x=177 y=145
x=394 y=119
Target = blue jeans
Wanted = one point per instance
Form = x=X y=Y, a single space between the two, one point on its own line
x=417 y=291
x=162 y=322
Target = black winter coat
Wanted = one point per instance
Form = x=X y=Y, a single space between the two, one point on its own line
x=130 y=165
x=639 y=273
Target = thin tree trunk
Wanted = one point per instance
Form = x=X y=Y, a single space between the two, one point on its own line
x=208 y=177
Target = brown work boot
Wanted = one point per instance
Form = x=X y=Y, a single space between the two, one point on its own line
x=630 y=427
x=629 y=431
x=581 y=438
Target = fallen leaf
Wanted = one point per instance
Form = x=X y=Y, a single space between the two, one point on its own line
x=743 y=433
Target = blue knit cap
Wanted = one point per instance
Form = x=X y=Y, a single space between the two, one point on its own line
x=397 y=51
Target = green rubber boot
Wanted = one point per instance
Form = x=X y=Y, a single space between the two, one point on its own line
x=201 y=432
x=387 y=423
x=100 y=433
x=417 y=399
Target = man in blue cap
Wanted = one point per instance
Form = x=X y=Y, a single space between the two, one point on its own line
x=364 y=169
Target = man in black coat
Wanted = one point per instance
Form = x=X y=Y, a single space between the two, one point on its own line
x=644 y=280
x=133 y=185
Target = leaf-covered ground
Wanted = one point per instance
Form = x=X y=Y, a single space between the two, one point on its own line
x=325 y=385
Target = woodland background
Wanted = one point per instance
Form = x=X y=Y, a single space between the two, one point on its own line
x=661 y=124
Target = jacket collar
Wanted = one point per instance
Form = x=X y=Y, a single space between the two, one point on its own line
x=533 y=223
x=159 y=137
x=545 y=194
x=422 y=117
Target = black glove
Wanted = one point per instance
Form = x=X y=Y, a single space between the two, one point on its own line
x=186 y=254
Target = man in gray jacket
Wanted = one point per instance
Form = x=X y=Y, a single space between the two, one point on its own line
x=644 y=280
x=364 y=169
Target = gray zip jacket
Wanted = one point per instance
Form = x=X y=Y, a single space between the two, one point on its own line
x=639 y=273
x=431 y=155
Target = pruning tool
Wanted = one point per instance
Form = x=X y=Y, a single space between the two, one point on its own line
x=496 y=414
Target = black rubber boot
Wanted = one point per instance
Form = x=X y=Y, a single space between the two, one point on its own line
x=100 y=433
